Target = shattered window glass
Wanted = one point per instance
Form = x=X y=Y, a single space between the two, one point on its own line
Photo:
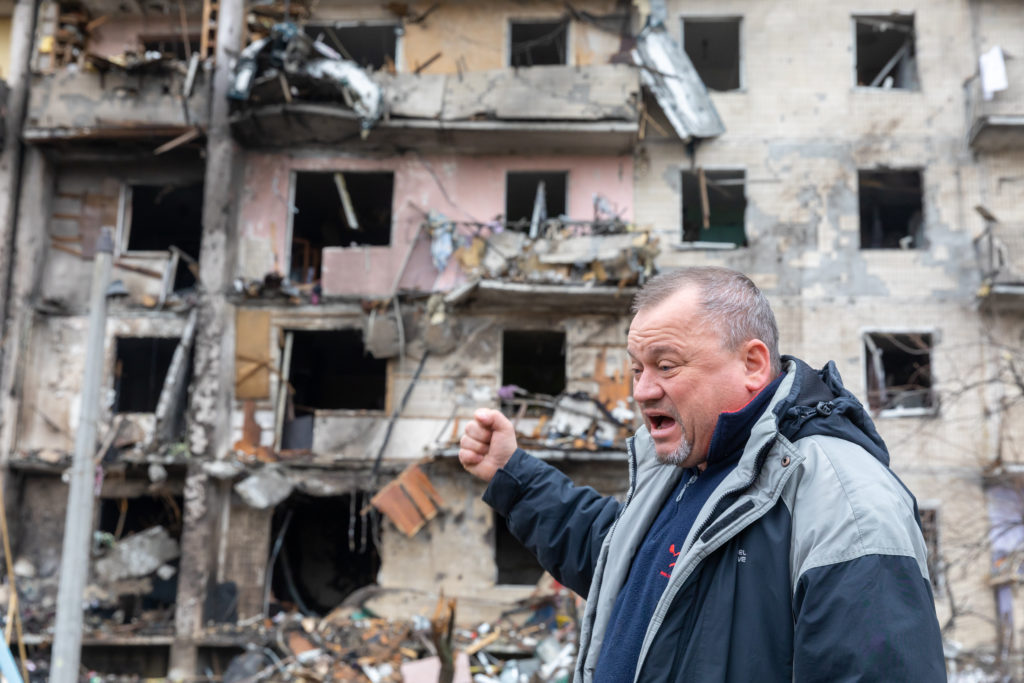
x=885 y=52
x=713 y=46
x=899 y=371
x=536 y=43
x=714 y=206
x=891 y=209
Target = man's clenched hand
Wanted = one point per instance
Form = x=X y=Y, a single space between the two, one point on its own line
x=488 y=443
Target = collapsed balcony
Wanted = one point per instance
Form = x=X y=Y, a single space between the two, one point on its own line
x=292 y=87
x=154 y=91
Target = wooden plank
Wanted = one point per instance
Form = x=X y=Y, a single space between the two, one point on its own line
x=252 y=354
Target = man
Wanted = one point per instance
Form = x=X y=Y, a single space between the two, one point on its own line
x=763 y=537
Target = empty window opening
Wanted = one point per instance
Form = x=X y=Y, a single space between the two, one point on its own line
x=331 y=370
x=338 y=210
x=142 y=661
x=535 y=43
x=171 y=47
x=713 y=46
x=533 y=197
x=516 y=564
x=714 y=206
x=899 y=375
x=165 y=216
x=891 y=209
x=534 y=361
x=930 y=530
x=327 y=550
x=123 y=517
x=885 y=52
x=371 y=46
x=140 y=370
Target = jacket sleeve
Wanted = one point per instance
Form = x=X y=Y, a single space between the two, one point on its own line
x=867 y=619
x=563 y=525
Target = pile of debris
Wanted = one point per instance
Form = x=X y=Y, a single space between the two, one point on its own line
x=575 y=421
x=563 y=251
x=533 y=641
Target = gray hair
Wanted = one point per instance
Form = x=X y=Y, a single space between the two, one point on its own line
x=731 y=303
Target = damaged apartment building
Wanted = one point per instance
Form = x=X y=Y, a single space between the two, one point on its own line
x=338 y=228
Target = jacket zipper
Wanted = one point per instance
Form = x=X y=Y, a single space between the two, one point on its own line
x=693 y=478
x=758 y=464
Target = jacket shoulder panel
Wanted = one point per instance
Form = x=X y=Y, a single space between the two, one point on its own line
x=844 y=505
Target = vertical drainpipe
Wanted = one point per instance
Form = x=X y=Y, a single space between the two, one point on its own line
x=213 y=378
x=23 y=28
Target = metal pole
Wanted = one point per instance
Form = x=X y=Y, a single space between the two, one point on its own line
x=74 y=567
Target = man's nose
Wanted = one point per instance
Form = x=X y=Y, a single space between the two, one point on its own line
x=646 y=388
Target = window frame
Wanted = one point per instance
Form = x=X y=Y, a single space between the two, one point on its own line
x=923 y=411
x=858 y=16
x=569 y=34
x=397 y=25
x=706 y=245
x=740 y=57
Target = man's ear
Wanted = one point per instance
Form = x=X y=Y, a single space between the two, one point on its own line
x=757 y=365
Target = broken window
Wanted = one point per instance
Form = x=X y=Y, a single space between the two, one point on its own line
x=372 y=46
x=534 y=43
x=713 y=46
x=533 y=362
x=533 y=197
x=930 y=530
x=516 y=564
x=338 y=209
x=323 y=550
x=714 y=206
x=140 y=369
x=150 y=598
x=899 y=374
x=164 y=216
x=331 y=370
x=885 y=52
x=891 y=209
x=172 y=47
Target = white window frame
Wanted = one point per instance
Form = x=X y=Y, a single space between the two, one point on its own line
x=854 y=18
x=929 y=411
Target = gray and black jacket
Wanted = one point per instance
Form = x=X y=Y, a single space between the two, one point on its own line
x=807 y=562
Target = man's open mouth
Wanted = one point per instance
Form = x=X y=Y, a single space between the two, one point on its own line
x=661 y=421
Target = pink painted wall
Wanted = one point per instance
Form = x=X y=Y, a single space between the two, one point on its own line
x=462 y=188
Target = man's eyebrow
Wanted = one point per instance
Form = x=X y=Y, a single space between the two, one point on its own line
x=657 y=349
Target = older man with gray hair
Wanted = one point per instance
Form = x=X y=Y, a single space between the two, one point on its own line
x=763 y=538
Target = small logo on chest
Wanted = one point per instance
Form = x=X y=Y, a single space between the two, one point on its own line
x=741 y=556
